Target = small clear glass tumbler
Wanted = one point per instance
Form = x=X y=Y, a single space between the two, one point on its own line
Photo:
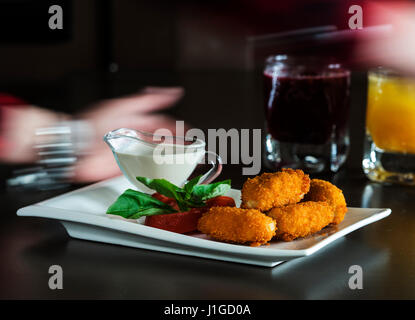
x=389 y=148
x=306 y=110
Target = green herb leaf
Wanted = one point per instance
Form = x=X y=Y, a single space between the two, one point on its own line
x=167 y=189
x=203 y=192
x=151 y=212
x=188 y=187
x=161 y=185
x=134 y=204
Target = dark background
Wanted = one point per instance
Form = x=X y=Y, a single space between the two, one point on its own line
x=111 y=48
x=151 y=35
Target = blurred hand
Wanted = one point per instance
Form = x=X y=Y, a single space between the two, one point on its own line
x=396 y=49
x=133 y=112
x=19 y=123
x=18 y=126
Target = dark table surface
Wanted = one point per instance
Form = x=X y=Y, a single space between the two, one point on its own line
x=29 y=246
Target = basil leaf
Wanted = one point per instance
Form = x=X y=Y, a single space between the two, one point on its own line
x=167 y=189
x=162 y=186
x=188 y=187
x=203 y=192
x=150 y=212
x=195 y=203
x=191 y=195
x=133 y=204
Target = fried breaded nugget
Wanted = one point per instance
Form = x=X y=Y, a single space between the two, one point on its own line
x=237 y=225
x=275 y=189
x=321 y=190
x=301 y=219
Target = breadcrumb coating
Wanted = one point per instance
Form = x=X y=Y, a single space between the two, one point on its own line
x=301 y=219
x=321 y=190
x=237 y=225
x=277 y=189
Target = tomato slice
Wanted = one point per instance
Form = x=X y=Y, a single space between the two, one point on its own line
x=181 y=222
x=221 y=201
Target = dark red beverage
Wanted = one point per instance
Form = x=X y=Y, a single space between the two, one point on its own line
x=306 y=104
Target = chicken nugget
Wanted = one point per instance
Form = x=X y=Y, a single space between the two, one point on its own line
x=275 y=189
x=237 y=225
x=301 y=219
x=321 y=190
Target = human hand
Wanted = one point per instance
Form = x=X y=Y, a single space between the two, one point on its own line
x=396 y=48
x=20 y=122
x=134 y=112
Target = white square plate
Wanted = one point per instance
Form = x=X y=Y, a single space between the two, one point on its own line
x=82 y=212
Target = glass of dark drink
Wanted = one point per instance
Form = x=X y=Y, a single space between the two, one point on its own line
x=306 y=109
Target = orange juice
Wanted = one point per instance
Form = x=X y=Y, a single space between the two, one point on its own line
x=389 y=145
x=390 y=118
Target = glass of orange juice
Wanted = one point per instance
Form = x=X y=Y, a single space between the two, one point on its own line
x=389 y=152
